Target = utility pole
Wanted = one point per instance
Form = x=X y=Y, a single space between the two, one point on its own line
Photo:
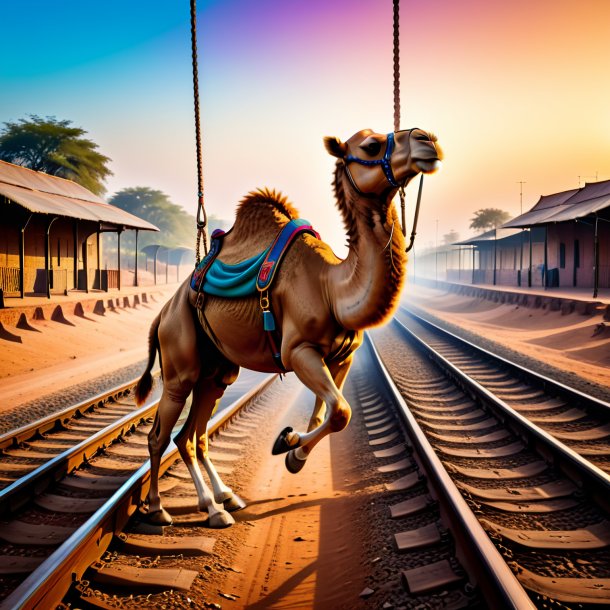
x=521 y=183
x=436 y=255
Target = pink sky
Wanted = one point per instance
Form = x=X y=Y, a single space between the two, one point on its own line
x=515 y=91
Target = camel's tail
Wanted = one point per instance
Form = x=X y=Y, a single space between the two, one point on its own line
x=145 y=383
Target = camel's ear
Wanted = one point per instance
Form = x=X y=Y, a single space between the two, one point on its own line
x=335 y=147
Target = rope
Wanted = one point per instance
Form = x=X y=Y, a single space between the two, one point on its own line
x=396 y=55
x=401 y=191
x=202 y=219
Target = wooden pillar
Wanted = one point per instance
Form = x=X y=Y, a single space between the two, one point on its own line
x=473 y=252
x=47 y=253
x=75 y=235
x=99 y=258
x=521 y=260
x=495 y=252
x=546 y=257
x=118 y=239
x=155 y=265
x=22 y=256
x=135 y=279
x=596 y=258
x=86 y=263
x=529 y=270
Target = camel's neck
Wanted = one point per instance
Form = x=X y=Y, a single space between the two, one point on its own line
x=364 y=288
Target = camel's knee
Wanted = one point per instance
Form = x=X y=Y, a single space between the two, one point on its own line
x=340 y=417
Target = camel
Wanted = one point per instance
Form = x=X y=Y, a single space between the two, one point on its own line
x=321 y=304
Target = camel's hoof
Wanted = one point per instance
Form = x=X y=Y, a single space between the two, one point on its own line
x=281 y=444
x=293 y=463
x=220 y=520
x=234 y=503
x=157 y=517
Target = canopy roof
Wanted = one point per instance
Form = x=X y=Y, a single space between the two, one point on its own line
x=568 y=205
x=44 y=194
x=477 y=240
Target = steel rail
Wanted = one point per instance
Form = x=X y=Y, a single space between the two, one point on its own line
x=573 y=465
x=47 y=585
x=499 y=586
x=24 y=489
x=55 y=421
x=585 y=400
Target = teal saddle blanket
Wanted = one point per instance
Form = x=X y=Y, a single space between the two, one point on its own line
x=243 y=279
x=238 y=280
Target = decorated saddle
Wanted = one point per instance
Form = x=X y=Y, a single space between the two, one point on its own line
x=255 y=274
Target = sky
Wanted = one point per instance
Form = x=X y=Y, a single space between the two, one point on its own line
x=517 y=92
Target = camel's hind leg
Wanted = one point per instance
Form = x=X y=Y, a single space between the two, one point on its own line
x=170 y=406
x=222 y=493
x=326 y=383
x=206 y=394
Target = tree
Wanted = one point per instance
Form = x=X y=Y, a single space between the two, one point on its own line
x=177 y=227
x=56 y=148
x=450 y=237
x=489 y=218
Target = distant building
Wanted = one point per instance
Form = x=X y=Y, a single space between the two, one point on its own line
x=563 y=241
x=50 y=234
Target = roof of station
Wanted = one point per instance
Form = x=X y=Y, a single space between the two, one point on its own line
x=564 y=206
x=489 y=236
x=41 y=193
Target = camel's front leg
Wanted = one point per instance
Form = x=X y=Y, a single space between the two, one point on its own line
x=326 y=385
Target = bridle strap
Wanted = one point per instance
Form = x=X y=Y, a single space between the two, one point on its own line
x=386 y=166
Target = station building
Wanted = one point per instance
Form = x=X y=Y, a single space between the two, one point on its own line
x=50 y=235
x=563 y=241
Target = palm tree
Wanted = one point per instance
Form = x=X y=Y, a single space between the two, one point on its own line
x=57 y=148
x=489 y=218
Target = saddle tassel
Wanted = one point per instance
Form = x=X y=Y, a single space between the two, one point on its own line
x=268 y=320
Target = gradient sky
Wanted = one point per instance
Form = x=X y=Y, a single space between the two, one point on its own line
x=515 y=91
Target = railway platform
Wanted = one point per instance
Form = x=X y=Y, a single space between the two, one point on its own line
x=566 y=300
x=79 y=302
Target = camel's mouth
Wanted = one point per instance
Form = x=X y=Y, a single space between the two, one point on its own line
x=428 y=166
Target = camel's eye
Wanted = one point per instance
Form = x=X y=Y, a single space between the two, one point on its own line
x=372 y=148
x=422 y=137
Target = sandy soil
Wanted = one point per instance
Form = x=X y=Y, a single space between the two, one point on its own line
x=576 y=344
x=55 y=355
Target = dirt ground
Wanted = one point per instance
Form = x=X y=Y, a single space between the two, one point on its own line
x=55 y=355
x=574 y=343
x=281 y=554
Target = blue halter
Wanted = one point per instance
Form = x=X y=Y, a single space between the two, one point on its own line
x=384 y=162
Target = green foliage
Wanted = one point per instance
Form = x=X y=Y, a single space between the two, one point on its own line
x=450 y=237
x=489 y=218
x=56 y=148
x=177 y=227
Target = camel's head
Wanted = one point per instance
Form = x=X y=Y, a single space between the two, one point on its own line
x=378 y=164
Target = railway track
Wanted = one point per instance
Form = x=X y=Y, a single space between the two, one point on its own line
x=580 y=421
x=480 y=515
x=65 y=476
x=544 y=505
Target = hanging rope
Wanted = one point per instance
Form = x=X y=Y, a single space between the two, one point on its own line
x=396 y=39
x=401 y=191
x=202 y=219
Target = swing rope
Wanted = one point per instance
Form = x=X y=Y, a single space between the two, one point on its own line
x=202 y=219
x=401 y=191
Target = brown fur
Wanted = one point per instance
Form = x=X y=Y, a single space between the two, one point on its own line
x=318 y=301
